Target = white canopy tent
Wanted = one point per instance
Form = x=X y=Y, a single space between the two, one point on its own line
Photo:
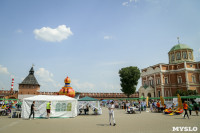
x=92 y=103
x=61 y=106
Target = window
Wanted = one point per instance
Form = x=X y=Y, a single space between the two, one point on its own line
x=166 y=93
x=190 y=55
x=193 y=79
x=184 y=55
x=144 y=82
x=58 y=107
x=178 y=56
x=158 y=93
x=172 y=58
x=179 y=80
x=64 y=107
x=191 y=65
x=151 y=82
x=166 y=80
x=158 y=81
x=69 y=107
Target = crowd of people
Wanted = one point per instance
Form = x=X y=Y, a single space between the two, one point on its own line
x=7 y=106
x=155 y=106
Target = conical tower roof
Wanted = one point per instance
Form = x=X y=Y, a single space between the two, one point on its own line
x=30 y=79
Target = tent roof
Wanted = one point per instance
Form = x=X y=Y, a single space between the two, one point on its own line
x=88 y=99
x=49 y=98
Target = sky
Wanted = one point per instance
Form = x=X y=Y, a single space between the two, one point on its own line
x=91 y=40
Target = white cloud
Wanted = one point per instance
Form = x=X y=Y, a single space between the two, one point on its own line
x=107 y=37
x=53 y=35
x=3 y=70
x=44 y=74
x=129 y=2
x=46 y=80
x=125 y=3
x=135 y=1
x=82 y=87
x=19 y=31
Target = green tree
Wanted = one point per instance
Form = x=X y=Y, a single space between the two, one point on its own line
x=186 y=92
x=129 y=77
x=181 y=92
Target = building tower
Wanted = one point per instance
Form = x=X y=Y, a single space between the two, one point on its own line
x=29 y=85
x=180 y=53
x=12 y=84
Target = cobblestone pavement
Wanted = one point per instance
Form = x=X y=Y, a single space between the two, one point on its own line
x=145 y=122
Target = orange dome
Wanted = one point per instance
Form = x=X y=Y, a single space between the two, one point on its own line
x=67 y=89
x=67 y=80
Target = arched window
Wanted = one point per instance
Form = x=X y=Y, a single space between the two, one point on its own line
x=178 y=56
x=190 y=55
x=149 y=94
x=166 y=80
x=158 y=81
x=184 y=55
x=193 y=79
x=143 y=94
x=172 y=57
x=179 y=80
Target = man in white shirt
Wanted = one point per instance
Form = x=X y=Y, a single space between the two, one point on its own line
x=127 y=105
x=111 y=107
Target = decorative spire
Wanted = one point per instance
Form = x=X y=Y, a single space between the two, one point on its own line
x=178 y=40
x=31 y=72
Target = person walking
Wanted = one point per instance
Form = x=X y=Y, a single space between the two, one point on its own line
x=32 y=110
x=151 y=106
x=139 y=105
x=111 y=113
x=190 y=108
x=127 y=105
x=196 y=108
x=158 y=106
x=48 y=107
x=185 y=107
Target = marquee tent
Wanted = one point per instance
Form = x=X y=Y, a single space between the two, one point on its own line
x=91 y=102
x=61 y=106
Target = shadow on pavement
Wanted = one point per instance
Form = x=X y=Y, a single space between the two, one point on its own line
x=102 y=124
x=179 y=118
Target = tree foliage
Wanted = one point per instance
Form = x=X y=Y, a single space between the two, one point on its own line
x=129 y=77
x=186 y=93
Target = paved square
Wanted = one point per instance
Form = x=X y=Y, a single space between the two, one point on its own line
x=126 y=123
